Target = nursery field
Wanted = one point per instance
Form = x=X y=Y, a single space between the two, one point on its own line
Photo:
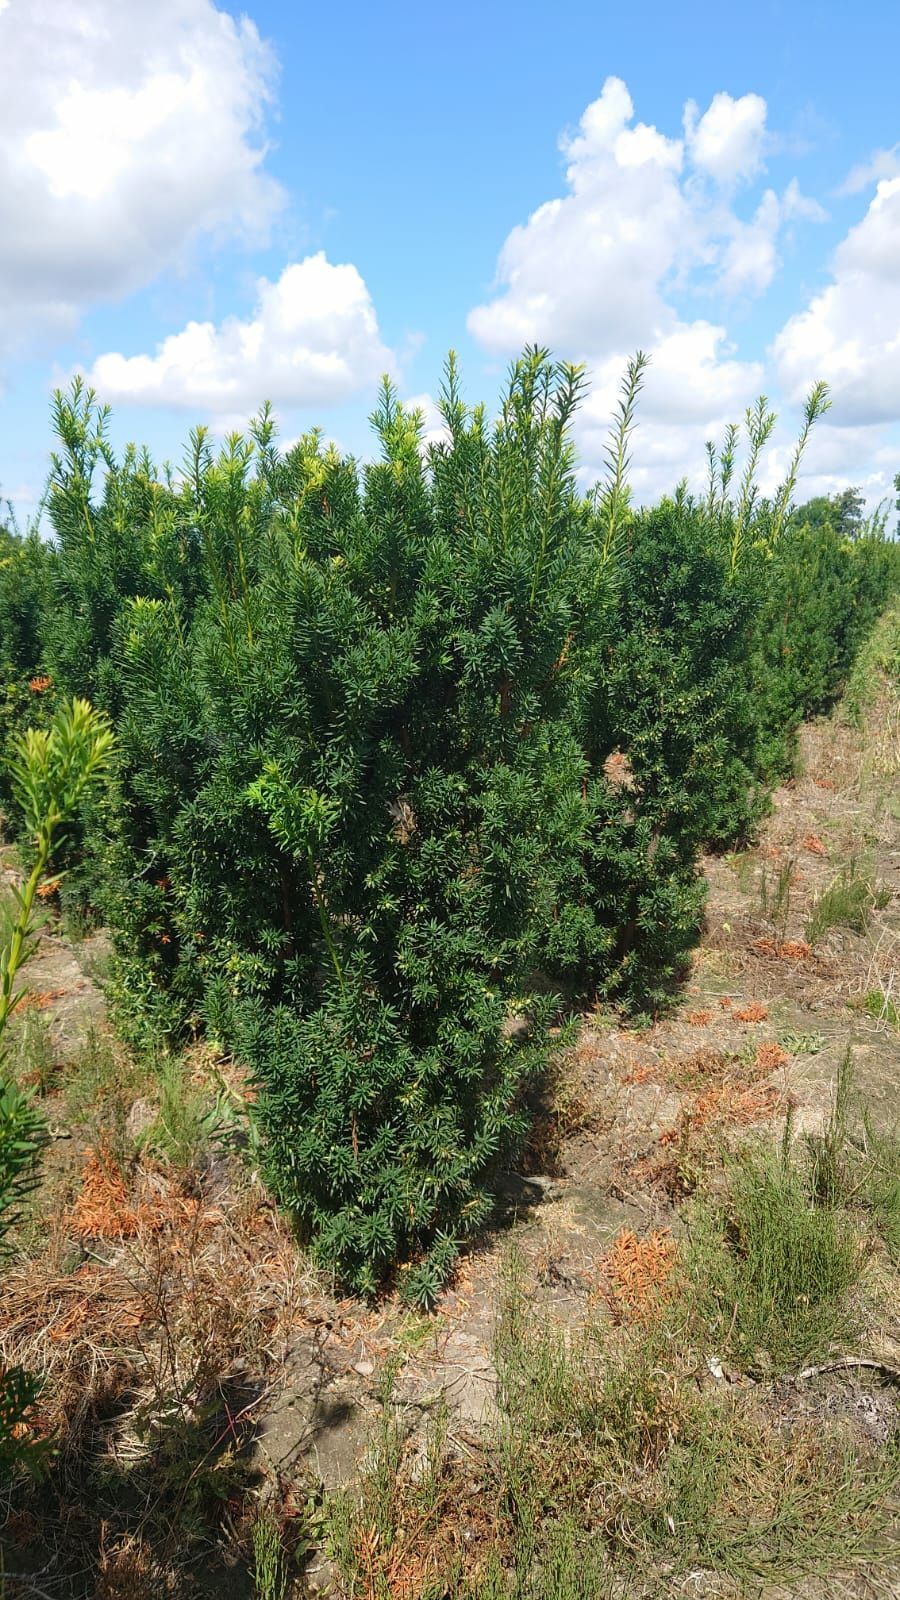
x=451 y=1010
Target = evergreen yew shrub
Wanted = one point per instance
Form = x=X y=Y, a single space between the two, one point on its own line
x=673 y=687
x=407 y=753
x=822 y=594
x=23 y=567
x=23 y=571
x=665 y=723
x=349 y=771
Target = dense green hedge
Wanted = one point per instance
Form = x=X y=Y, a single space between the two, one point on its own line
x=23 y=577
x=411 y=755
x=822 y=596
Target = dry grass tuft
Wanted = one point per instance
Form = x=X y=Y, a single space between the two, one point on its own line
x=795 y=950
x=725 y=1105
x=784 y=949
x=754 y=1012
x=42 y=999
x=618 y=771
x=770 y=1056
x=127 y=1570
x=699 y=1068
x=638 y=1274
x=564 y=1109
x=158 y=1355
x=104 y=1208
x=728 y=1094
x=640 y=1072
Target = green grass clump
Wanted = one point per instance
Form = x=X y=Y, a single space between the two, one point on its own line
x=32 y=1059
x=848 y=902
x=269 y=1572
x=99 y=1073
x=879 y=1005
x=775 y=895
x=855 y=1164
x=101 y=1086
x=188 y=1123
x=802 y=1044
x=773 y=1268
x=882 y=1188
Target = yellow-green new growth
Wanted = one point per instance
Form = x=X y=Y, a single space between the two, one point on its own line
x=614 y=497
x=817 y=404
x=760 y=423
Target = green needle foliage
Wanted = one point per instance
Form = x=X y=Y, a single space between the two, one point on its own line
x=268 y=1559
x=414 y=755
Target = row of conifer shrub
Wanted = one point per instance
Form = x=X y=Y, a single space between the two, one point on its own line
x=411 y=756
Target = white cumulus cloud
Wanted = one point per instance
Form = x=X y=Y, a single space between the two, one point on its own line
x=849 y=333
x=728 y=142
x=127 y=131
x=583 y=273
x=750 y=256
x=590 y=271
x=601 y=270
x=313 y=339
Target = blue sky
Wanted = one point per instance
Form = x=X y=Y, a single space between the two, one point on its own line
x=201 y=207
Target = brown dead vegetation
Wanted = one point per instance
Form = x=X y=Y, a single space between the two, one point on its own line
x=637 y=1273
